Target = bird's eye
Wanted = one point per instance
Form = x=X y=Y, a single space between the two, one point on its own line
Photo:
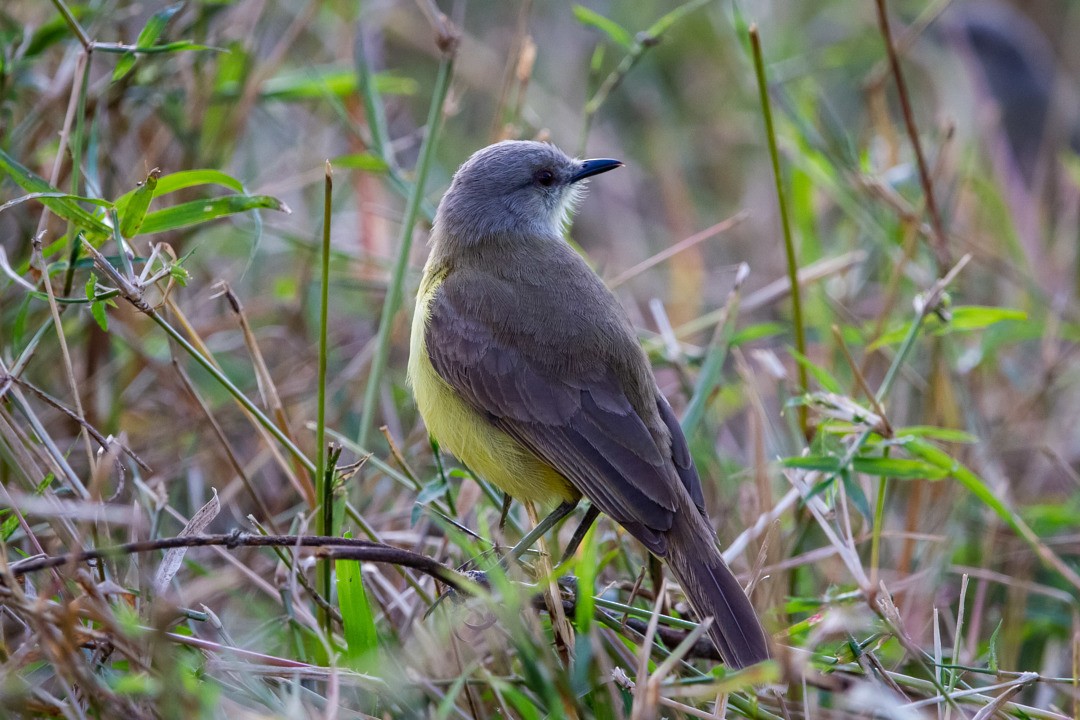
x=545 y=177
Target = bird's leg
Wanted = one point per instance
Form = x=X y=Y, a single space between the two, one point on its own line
x=560 y=626
x=541 y=527
x=507 y=500
x=532 y=536
x=586 y=522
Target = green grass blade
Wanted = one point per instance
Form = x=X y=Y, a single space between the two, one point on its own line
x=781 y=199
x=197 y=212
x=134 y=213
x=361 y=636
x=182 y=180
x=147 y=37
x=62 y=204
x=590 y=18
x=397 y=279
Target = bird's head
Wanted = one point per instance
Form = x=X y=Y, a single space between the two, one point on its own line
x=512 y=189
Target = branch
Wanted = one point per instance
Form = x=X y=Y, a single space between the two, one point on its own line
x=332 y=548
x=941 y=245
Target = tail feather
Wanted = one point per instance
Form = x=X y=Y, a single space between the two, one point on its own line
x=713 y=591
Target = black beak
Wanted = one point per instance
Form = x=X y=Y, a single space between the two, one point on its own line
x=594 y=167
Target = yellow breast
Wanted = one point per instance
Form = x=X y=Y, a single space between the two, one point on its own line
x=488 y=451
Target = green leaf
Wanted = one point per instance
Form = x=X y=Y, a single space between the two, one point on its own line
x=156 y=25
x=135 y=684
x=181 y=181
x=586 y=573
x=977 y=317
x=824 y=377
x=8 y=525
x=596 y=62
x=310 y=84
x=97 y=309
x=662 y=25
x=134 y=212
x=432 y=491
x=233 y=67
x=54 y=31
x=993 y=649
x=963 y=318
x=758 y=331
x=821 y=463
x=180 y=275
x=899 y=468
x=360 y=161
x=172 y=47
x=149 y=35
x=361 y=638
x=1053 y=518
x=524 y=706
x=18 y=327
x=54 y=195
x=11 y=522
x=318 y=82
x=587 y=568
x=969 y=480
x=742 y=31
x=123 y=66
x=63 y=205
x=857 y=496
x=449 y=700
x=202 y=211
x=591 y=18
x=936 y=433
x=892 y=336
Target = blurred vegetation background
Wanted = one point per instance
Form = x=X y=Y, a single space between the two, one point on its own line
x=902 y=494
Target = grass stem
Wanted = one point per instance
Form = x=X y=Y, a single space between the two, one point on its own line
x=781 y=198
x=397 y=280
x=324 y=516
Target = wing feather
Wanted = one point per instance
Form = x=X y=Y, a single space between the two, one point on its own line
x=582 y=425
x=680 y=454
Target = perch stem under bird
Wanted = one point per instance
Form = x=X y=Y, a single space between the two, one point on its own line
x=525 y=367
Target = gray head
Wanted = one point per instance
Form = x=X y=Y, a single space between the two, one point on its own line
x=511 y=190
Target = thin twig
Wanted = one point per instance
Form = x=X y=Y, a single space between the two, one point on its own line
x=685 y=244
x=327 y=547
x=219 y=432
x=941 y=246
x=776 y=290
x=103 y=441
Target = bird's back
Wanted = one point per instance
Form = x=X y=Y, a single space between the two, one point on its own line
x=574 y=326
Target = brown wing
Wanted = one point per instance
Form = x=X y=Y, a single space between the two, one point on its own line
x=680 y=455
x=582 y=425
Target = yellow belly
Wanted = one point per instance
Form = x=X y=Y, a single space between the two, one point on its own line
x=488 y=451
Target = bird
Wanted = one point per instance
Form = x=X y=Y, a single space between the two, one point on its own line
x=526 y=368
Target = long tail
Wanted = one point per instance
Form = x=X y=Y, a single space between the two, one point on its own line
x=713 y=591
